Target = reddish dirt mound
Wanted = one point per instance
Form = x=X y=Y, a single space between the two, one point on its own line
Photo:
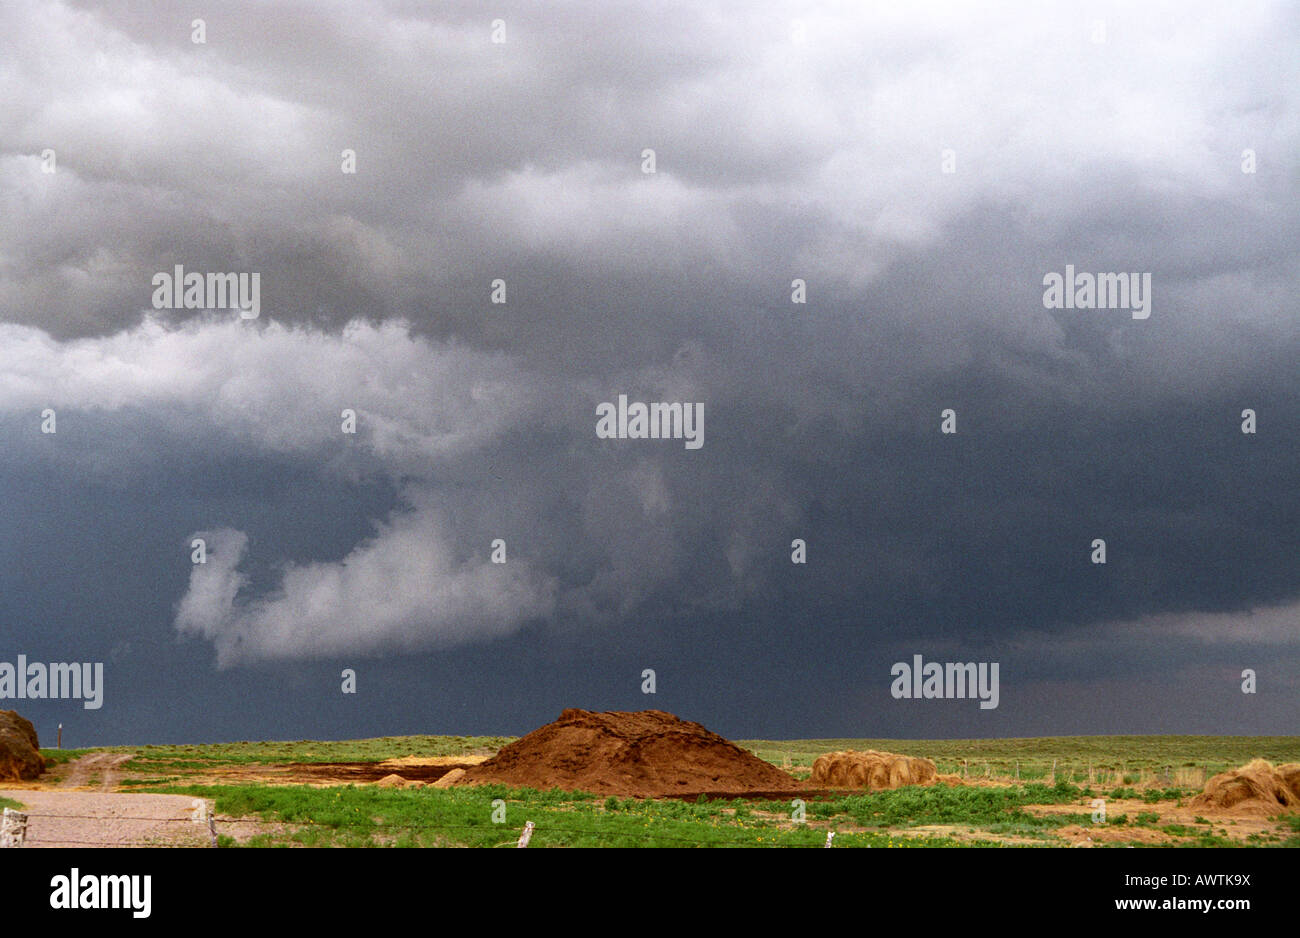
x=649 y=753
x=872 y=770
x=1255 y=788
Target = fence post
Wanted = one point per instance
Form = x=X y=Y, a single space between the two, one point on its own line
x=13 y=829
x=830 y=835
x=526 y=836
x=212 y=829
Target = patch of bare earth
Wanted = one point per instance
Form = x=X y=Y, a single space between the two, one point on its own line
x=58 y=818
x=98 y=769
x=424 y=769
x=964 y=834
x=1079 y=836
x=1225 y=824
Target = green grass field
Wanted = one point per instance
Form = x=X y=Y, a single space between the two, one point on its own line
x=1120 y=759
x=1157 y=774
x=303 y=750
x=365 y=816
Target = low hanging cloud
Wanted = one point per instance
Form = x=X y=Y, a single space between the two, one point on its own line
x=441 y=423
x=419 y=405
x=403 y=590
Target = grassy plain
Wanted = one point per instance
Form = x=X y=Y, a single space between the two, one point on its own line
x=1011 y=797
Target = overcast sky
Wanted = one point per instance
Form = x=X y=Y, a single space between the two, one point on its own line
x=790 y=140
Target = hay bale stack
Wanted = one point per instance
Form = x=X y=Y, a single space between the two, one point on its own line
x=1290 y=773
x=872 y=770
x=1257 y=787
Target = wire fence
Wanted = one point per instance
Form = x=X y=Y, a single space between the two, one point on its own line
x=1075 y=772
x=1092 y=774
x=14 y=829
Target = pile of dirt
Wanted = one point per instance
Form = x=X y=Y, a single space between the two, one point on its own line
x=451 y=778
x=20 y=757
x=872 y=770
x=396 y=781
x=646 y=754
x=1258 y=787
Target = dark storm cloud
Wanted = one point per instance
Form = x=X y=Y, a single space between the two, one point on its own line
x=790 y=142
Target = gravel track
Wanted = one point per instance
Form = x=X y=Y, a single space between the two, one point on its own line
x=104 y=818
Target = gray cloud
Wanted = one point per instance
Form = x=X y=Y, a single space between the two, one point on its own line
x=784 y=150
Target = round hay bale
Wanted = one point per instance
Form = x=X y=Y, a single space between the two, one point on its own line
x=1290 y=773
x=20 y=756
x=872 y=770
x=1256 y=787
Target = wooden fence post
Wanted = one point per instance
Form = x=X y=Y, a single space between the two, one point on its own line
x=830 y=835
x=212 y=829
x=526 y=836
x=13 y=829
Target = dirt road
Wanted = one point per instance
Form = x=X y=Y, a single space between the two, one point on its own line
x=98 y=768
x=107 y=819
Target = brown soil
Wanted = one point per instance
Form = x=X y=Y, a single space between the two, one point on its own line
x=336 y=773
x=58 y=818
x=405 y=761
x=1080 y=836
x=97 y=769
x=645 y=754
x=1233 y=825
